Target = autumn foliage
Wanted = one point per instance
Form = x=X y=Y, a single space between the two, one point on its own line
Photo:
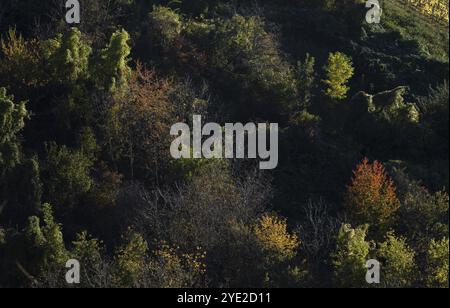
x=371 y=197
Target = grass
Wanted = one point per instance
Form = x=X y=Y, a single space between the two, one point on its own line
x=432 y=36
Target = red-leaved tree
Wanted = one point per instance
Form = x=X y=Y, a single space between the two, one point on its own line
x=371 y=197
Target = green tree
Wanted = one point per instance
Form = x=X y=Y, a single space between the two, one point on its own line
x=167 y=23
x=306 y=77
x=131 y=260
x=339 y=70
x=245 y=52
x=21 y=192
x=350 y=257
x=90 y=253
x=398 y=269
x=110 y=69
x=437 y=264
x=423 y=216
x=47 y=239
x=12 y=121
x=67 y=174
x=19 y=62
x=68 y=56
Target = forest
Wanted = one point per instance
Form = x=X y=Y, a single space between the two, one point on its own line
x=363 y=165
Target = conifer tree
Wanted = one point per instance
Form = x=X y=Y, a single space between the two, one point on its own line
x=339 y=70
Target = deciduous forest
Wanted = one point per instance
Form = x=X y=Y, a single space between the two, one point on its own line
x=86 y=173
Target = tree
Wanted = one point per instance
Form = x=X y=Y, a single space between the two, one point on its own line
x=245 y=52
x=339 y=70
x=138 y=124
x=47 y=242
x=67 y=169
x=19 y=62
x=91 y=255
x=12 y=121
x=170 y=268
x=274 y=238
x=437 y=264
x=167 y=23
x=278 y=249
x=68 y=56
x=131 y=260
x=110 y=69
x=398 y=268
x=423 y=216
x=371 y=197
x=306 y=78
x=350 y=257
x=21 y=193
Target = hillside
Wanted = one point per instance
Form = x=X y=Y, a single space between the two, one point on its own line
x=223 y=144
x=431 y=34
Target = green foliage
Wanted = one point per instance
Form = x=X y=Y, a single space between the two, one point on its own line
x=68 y=56
x=391 y=105
x=167 y=23
x=88 y=143
x=87 y=250
x=336 y=5
x=12 y=121
x=21 y=192
x=19 y=61
x=434 y=110
x=69 y=169
x=2 y=236
x=90 y=253
x=432 y=37
x=306 y=79
x=187 y=168
x=423 y=215
x=437 y=264
x=350 y=257
x=244 y=49
x=339 y=70
x=96 y=145
x=111 y=71
x=398 y=268
x=47 y=240
x=131 y=260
